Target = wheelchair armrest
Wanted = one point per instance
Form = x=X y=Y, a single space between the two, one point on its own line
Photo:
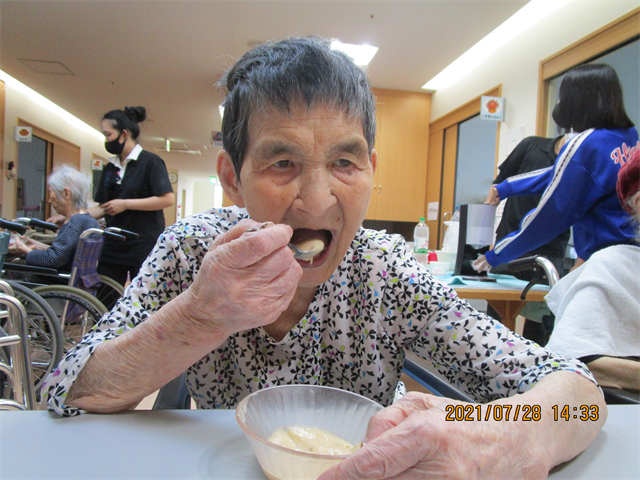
x=620 y=396
x=432 y=382
x=35 y=222
x=20 y=267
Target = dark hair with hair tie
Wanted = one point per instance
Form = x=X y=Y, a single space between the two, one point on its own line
x=297 y=69
x=127 y=119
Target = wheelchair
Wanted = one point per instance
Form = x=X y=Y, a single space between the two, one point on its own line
x=107 y=290
x=58 y=316
x=73 y=296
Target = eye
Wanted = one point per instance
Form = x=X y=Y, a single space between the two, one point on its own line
x=343 y=162
x=282 y=164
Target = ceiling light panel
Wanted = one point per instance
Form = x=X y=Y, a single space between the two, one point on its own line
x=361 y=54
x=532 y=13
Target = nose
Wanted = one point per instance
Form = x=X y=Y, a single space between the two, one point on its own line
x=316 y=195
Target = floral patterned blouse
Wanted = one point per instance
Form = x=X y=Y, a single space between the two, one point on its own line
x=378 y=302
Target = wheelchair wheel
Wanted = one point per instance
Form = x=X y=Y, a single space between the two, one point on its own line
x=45 y=334
x=76 y=310
x=109 y=292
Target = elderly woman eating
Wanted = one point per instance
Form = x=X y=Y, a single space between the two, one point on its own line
x=222 y=296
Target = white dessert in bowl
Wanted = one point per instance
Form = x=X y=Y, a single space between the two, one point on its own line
x=312 y=440
x=343 y=414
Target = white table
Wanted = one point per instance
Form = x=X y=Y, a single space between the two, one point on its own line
x=201 y=444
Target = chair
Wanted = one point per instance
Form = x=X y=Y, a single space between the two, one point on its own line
x=174 y=395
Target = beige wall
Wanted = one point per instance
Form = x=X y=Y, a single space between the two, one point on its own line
x=20 y=105
x=202 y=196
x=515 y=65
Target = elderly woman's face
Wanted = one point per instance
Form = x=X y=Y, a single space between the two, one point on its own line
x=312 y=171
x=60 y=204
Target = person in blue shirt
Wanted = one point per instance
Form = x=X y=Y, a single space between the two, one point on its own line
x=579 y=190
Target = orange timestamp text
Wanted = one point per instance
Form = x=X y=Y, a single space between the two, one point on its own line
x=524 y=413
x=474 y=413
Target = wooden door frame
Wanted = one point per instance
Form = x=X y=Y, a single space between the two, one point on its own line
x=51 y=140
x=596 y=44
x=441 y=162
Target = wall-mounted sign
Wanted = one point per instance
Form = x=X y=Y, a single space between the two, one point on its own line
x=23 y=134
x=492 y=108
x=96 y=164
x=432 y=210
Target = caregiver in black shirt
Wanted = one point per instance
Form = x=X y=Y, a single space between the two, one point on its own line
x=134 y=189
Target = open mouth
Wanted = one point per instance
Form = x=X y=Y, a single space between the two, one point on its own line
x=303 y=235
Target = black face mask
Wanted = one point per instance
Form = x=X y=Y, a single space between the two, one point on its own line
x=560 y=118
x=114 y=147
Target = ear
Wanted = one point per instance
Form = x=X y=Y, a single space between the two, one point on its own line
x=374 y=159
x=227 y=177
x=636 y=204
x=66 y=192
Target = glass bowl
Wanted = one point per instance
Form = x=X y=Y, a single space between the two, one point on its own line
x=340 y=412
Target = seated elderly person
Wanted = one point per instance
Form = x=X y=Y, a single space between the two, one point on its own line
x=68 y=191
x=597 y=306
x=222 y=296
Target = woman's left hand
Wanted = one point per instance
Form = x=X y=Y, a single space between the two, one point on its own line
x=114 y=207
x=412 y=440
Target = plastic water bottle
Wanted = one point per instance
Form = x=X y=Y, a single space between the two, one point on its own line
x=421 y=238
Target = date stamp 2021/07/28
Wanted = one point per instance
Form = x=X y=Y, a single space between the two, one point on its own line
x=525 y=413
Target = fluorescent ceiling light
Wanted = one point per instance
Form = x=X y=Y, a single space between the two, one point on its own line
x=361 y=54
x=48 y=104
x=532 y=13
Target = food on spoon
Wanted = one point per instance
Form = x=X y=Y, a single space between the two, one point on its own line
x=313 y=246
x=312 y=440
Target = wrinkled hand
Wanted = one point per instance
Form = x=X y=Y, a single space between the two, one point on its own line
x=114 y=207
x=30 y=242
x=246 y=280
x=412 y=440
x=493 y=198
x=18 y=247
x=481 y=264
x=57 y=219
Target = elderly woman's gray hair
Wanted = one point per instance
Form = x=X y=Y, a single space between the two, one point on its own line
x=297 y=69
x=78 y=183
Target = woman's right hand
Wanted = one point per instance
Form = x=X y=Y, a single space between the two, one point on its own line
x=494 y=197
x=246 y=280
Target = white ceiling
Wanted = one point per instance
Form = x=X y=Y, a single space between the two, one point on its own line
x=168 y=55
